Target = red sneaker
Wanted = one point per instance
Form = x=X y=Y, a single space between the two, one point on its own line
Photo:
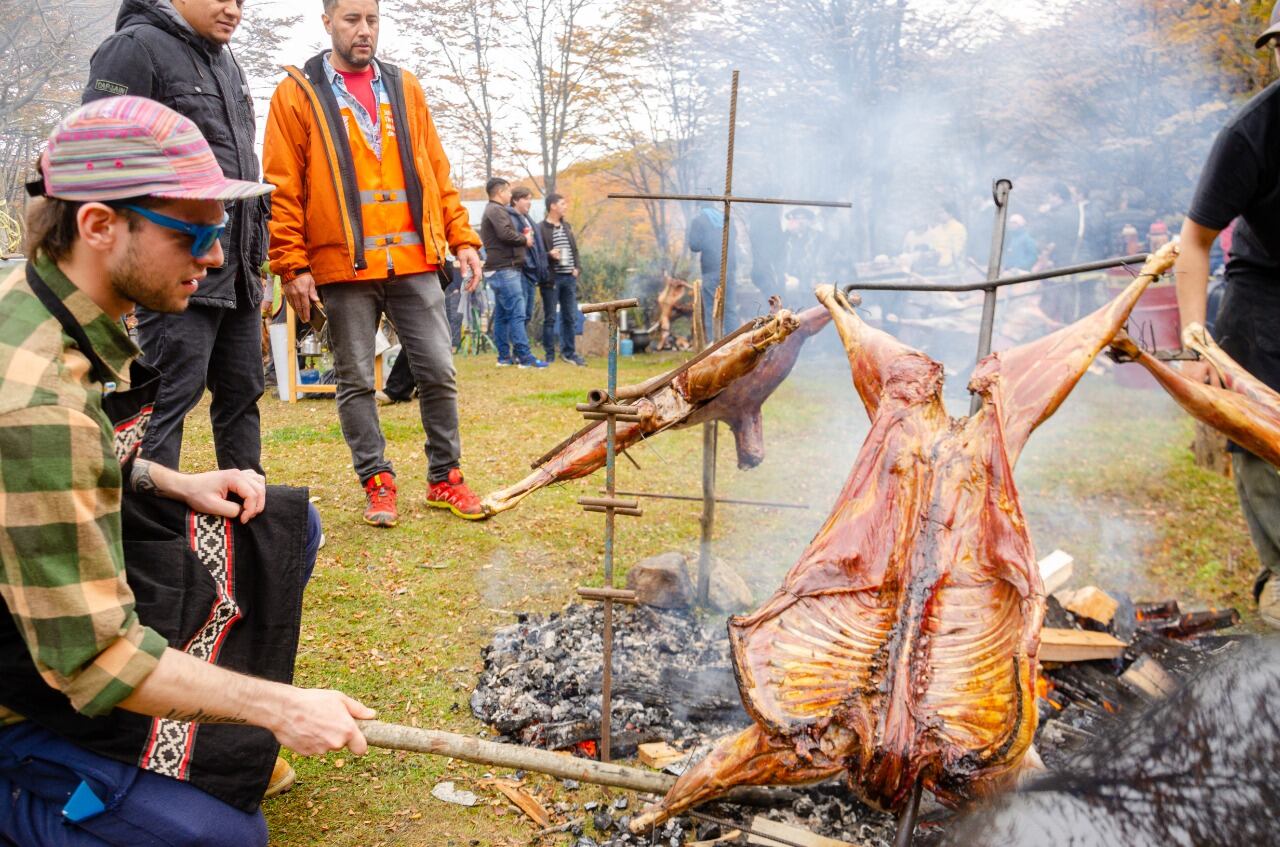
x=454 y=495
x=380 y=490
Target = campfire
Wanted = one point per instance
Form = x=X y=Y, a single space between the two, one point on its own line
x=675 y=694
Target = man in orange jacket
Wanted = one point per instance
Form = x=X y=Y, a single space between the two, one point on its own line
x=362 y=219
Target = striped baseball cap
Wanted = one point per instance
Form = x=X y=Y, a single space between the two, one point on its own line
x=120 y=147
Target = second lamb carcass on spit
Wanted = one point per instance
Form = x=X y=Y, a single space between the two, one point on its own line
x=729 y=385
x=902 y=647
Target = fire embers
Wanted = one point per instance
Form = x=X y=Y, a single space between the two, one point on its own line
x=672 y=679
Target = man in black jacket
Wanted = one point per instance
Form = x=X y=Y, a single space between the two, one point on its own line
x=175 y=52
x=504 y=250
x=566 y=266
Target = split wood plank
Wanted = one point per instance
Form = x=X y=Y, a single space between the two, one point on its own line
x=795 y=835
x=1077 y=645
x=1093 y=603
x=659 y=754
x=1148 y=676
x=524 y=801
x=1056 y=570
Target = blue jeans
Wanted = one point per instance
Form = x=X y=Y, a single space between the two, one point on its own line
x=567 y=299
x=40 y=771
x=509 y=334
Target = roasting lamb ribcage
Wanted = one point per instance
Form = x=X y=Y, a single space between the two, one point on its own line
x=902 y=646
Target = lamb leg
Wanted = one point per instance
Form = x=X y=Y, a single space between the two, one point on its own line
x=748 y=758
x=1234 y=377
x=871 y=353
x=1035 y=378
x=1252 y=421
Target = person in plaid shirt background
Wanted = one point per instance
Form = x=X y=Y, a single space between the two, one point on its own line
x=131 y=207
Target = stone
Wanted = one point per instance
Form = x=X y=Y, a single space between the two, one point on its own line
x=662 y=581
x=727 y=591
x=594 y=341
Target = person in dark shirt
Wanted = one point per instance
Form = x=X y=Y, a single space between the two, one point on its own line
x=1241 y=182
x=179 y=54
x=704 y=237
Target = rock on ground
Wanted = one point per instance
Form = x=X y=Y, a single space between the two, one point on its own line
x=662 y=581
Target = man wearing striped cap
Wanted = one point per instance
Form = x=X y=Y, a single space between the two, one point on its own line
x=131 y=589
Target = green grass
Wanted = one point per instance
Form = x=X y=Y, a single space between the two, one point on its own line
x=1108 y=479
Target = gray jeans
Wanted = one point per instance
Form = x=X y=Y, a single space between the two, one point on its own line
x=415 y=305
x=1258 y=486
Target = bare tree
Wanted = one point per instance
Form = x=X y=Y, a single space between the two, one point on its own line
x=573 y=48
x=258 y=46
x=655 y=138
x=44 y=58
x=458 y=71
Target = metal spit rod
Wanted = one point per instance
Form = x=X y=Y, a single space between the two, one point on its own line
x=1000 y=193
x=907 y=823
x=611 y=507
x=1052 y=273
x=729 y=501
x=711 y=429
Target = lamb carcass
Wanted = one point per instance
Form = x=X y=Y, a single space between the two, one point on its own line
x=902 y=646
x=730 y=385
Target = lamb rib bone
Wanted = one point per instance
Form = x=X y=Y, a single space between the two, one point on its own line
x=903 y=644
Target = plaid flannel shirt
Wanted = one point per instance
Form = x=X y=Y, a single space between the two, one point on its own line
x=61 y=555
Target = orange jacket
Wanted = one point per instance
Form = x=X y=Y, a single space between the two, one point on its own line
x=315 y=210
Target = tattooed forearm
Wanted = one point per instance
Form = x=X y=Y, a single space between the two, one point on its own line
x=201 y=716
x=141 y=478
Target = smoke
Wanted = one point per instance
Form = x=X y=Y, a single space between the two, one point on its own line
x=910 y=113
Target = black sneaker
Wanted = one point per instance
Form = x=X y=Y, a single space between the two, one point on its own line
x=575 y=359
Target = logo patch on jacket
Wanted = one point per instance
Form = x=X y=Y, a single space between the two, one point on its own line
x=109 y=87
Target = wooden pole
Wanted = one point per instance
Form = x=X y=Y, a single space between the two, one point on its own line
x=435 y=742
x=481 y=752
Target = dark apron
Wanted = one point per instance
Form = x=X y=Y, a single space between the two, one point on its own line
x=225 y=592
x=1248 y=330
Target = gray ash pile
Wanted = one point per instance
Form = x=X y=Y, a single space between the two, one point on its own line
x=673 y=679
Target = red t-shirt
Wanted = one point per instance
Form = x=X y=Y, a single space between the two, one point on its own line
x=360 y=84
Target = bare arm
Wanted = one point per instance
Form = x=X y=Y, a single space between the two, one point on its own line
x=1193 y=286
x=309 y=721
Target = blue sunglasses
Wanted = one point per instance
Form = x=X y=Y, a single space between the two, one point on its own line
x=203 y=236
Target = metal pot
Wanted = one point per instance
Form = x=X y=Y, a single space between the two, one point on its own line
x=309 y=346
x=639 y=340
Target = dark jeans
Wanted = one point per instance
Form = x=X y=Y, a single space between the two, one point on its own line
x=567 y=300
x=708 y=306
x=39 y=772
x=547 y=291
x=1258 y=487
x=399 y=385
x=206 y=347
x=415 y=305
x=509 y=334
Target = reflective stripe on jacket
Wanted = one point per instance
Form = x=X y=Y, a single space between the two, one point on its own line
x=392 y=243
x=318 y=219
